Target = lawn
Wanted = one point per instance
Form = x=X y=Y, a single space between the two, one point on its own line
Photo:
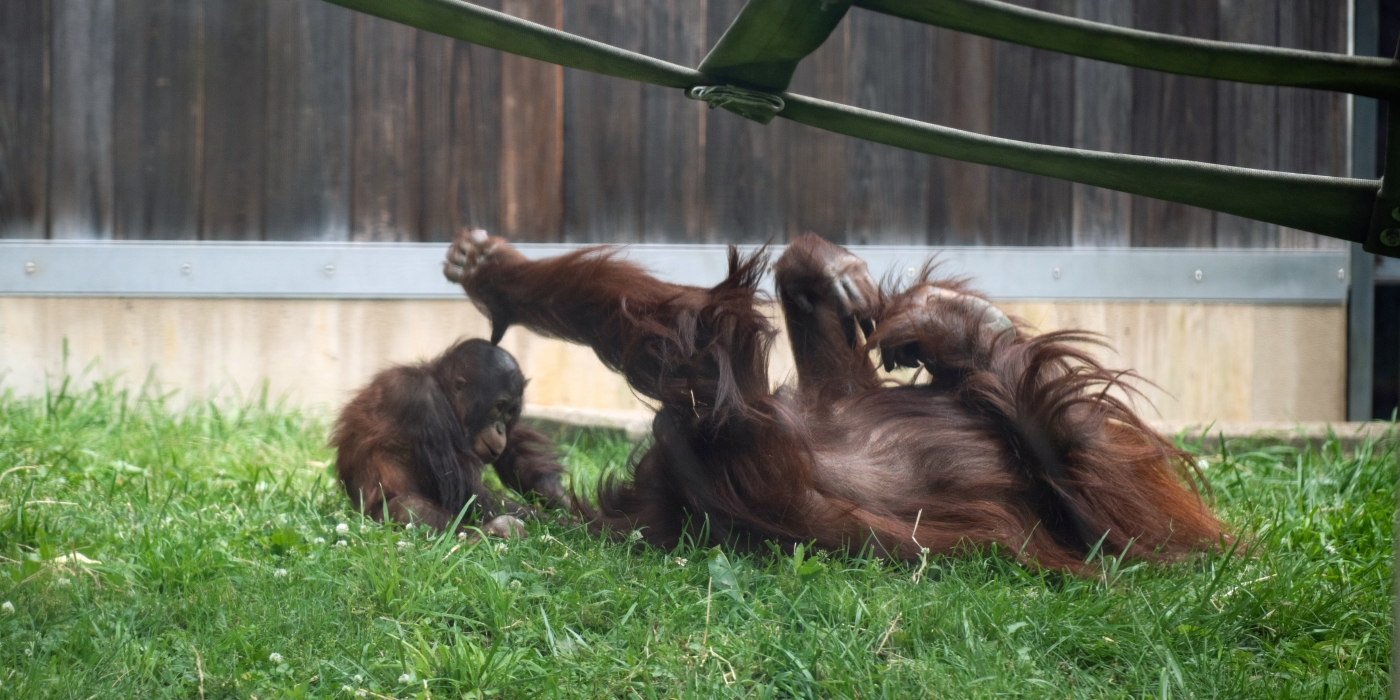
x=149 y=552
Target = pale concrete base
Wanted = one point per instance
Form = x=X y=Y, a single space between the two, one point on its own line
x=1210 y=361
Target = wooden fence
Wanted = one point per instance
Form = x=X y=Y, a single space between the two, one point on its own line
x=297 y=119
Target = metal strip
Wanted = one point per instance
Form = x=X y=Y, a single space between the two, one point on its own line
x=412 y=270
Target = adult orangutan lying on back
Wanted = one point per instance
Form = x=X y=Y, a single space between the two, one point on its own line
x=1015 y=442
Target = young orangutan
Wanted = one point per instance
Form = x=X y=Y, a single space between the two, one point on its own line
x=1015 y=442
x=413 y=444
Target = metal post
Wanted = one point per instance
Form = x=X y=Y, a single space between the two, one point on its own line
x=1361 y=309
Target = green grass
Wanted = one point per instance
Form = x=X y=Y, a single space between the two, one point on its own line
x=220 y=576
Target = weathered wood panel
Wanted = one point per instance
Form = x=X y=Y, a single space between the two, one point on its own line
x=295 y=119
x=532 y=135
x=889 y=187
x=386 y=151
x=235 y=75
x=476 y=135
x=744 y=163
x=1312 y=124
x=961 y=193
x=308 y=130
x=160 y=110
x=816 y=175
x=1247 y=117
x=24 y=117
x=1033 y=100
x=1103 y=107
x=80 y=184
x=1173 y=117
x=603 y=186
x=673 y=139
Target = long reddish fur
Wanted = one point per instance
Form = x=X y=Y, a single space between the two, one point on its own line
x=1017 y=442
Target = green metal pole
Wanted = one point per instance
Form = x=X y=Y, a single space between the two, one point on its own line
x=1245 y=63
x=1332 y=206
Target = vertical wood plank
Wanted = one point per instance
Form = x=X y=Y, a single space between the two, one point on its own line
x=673 y=136
x=159 y=105
x=1034 y=101
x=477 y=134
x=743 y=163
x=235 y=119
x=817 y=174
x=80 y=184
x=1103 y=105
x=24 y=118
x=386 y=148
x=308 y=137
x=961 y=192
x=1247 y=117
x=438 y=218
x=1174 y=117
x=1311 y=124
x=532 y=135
x=602 y=130
x=892 y=72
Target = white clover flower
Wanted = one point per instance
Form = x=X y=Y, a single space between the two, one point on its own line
x=346 y=689
x=461 y=536
x=408 y=526
x=342 y=528
x=634 y=536
x=63 y=581
x=364 y=529
x=681 y=561
x=280 y=573
x=501 y=548
x=275 y=657
x=515 y=583
x=406 y=678
x=341 y=543
x=319 y=540
x=7 y=607
x=359 y=679
x=1202 y=464
x=361 y=693
x=403 y=544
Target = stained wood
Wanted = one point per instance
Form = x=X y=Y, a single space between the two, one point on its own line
x=307 y=179
x=160 y=110
x=80 y=184
x=1247 y=117
x=1103 y=106
x=438 y=217
x=744 y=164
x=1312 y=124
x=24 y=115
x=961 y=192
x=235 y=119
x=817 y=182
x=476 y=134
x=602 y=130
x=1173 y=117
x=532 y=135
x=673 y=136
x=385 y=139
x=1033 y=101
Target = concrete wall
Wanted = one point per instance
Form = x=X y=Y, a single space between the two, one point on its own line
x=1211 y=361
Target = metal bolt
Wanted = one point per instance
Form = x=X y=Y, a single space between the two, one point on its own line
x=1055 y=273
x=1342 y=275
x=186 y=269
x=30 y=268
x=330 y=269
x=1200 y=275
